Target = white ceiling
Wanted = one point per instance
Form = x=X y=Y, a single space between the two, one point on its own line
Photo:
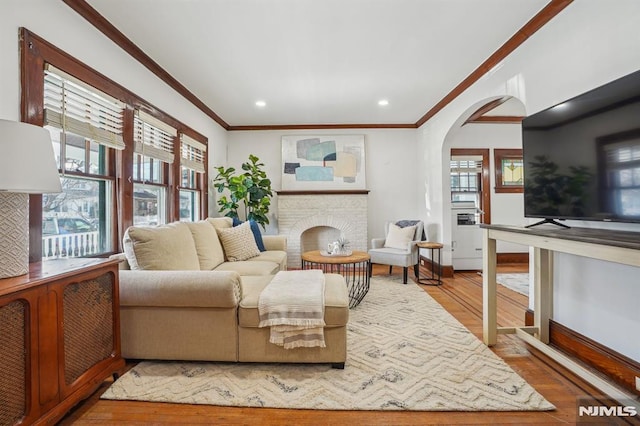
x=319 y=61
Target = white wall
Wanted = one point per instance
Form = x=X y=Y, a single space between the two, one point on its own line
x=588 y=44
x=58 y=24
x=391 y=164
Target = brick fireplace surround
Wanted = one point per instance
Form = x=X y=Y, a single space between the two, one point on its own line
x=311 y=219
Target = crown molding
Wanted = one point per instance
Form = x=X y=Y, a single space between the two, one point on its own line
x=321 y=126
x=553 y=8
x=109 y=30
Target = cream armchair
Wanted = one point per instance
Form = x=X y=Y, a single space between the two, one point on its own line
x=398 y=248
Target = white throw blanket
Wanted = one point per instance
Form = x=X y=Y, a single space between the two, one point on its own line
x=292 y=304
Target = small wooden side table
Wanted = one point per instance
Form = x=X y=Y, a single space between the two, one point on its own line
x=354 y=268
x=434 y=279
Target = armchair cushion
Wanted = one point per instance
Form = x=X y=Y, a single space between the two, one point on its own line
x=399 y=238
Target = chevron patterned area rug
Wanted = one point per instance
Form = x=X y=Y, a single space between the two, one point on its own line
x=405 y=352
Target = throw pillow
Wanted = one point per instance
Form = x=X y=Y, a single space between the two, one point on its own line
x=164 y=247
x=398 y=237
x=238 y=242
x=255 y=228
x=208 y=245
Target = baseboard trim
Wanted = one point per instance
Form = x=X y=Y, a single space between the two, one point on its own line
x=512 y=258
x=618 y=368
x=447 y=270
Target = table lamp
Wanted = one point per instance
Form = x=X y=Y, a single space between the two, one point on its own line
x=27 y=166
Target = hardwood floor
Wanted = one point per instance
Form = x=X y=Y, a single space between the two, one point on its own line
x=462 y=297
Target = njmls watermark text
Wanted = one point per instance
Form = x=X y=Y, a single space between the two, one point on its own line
x=607 y=411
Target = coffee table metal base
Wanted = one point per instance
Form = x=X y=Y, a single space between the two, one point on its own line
x=354 y=269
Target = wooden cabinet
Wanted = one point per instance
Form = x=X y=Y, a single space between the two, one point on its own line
x=59 y=337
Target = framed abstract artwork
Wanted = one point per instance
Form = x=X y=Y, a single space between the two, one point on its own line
x=331 y=162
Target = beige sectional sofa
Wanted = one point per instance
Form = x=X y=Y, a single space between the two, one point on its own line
x=182 y=298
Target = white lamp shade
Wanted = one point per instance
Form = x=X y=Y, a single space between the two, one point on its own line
x=27 y=160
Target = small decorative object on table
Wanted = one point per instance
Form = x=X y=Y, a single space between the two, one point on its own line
x=339 y=248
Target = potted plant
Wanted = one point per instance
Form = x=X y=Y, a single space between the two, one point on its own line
x=250 y=191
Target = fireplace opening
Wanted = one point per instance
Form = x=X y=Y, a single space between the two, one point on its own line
x=318 y=237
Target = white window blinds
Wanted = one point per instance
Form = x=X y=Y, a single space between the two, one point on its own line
x=466 y=164
x=193 y=153
x=153 y=138
x=75 y=107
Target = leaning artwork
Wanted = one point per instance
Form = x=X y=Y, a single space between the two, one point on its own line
x=331 y=162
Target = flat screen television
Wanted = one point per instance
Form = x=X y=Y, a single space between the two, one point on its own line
x=582 y=157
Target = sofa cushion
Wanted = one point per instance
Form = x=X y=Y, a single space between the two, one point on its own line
x=180 y=289
x=276 y=256
x=238 y=242
x=250 y=267
x=220 y=222
x=163 y=247
x=205 y=237
x=336 y=300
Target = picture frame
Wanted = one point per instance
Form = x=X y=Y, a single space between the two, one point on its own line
x=323 y=162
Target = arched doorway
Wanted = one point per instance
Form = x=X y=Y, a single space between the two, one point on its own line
x=486 y=128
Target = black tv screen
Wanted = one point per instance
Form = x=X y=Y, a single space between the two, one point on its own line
x=582 y=157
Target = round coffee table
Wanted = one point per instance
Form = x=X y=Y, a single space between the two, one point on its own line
x=353 y=267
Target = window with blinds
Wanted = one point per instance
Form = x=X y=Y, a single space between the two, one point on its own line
x=80 y=109
x=119 y=161
x=192 y=168
x=153 y=150
x=192 y=153
x=153 y=138
x=465 y=174
x=86 y=125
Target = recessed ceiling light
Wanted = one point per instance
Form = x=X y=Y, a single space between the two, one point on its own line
x=383 y=102
x=261 y=104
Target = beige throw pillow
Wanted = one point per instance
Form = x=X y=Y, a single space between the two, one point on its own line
x=208 y=245
x=399 y=237
x=238 y=242
x=165 y=247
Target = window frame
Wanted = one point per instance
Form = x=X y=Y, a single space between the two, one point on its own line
x=485 y=198
x=498 y=156
x=35 y=52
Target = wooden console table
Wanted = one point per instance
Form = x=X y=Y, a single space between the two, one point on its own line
x=613 y=246
x=59 y=337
